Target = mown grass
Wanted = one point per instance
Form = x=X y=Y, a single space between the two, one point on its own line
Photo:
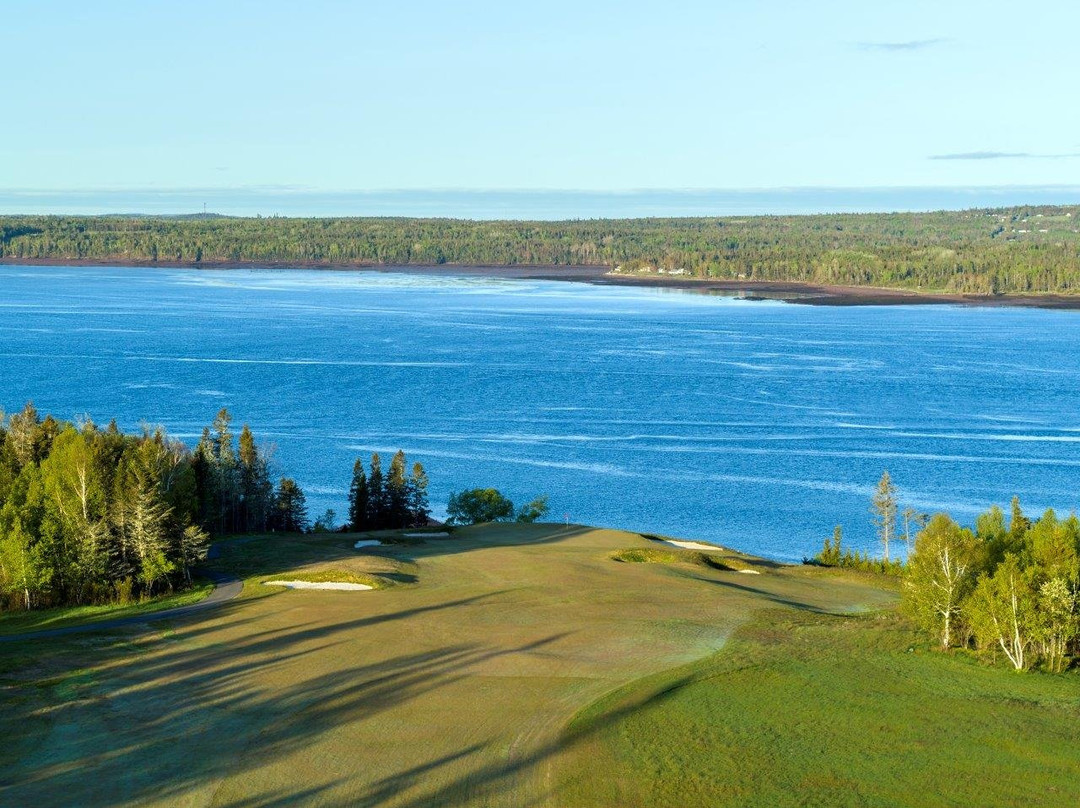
x=483 y=684
x=812 y=709
x=23 y=622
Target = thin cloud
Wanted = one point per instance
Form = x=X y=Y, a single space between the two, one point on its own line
x=901 y=47
x=999 y=155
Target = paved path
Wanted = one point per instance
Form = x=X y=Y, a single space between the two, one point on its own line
x=226 y=587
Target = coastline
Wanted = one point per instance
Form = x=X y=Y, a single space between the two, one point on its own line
x=799 y=292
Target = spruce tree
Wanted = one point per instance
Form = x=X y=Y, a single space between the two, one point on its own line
x=397 y=493
x=376 y=495
x=418 y=497
x=358 y=498
x=290 y=507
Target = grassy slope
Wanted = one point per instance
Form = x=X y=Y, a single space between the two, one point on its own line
x=833 y=711
x=457 y=687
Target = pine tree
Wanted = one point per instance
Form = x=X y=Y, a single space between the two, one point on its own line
x=290 y=507
x=255 y=487
x=1018 y=523
x=193 y=547
x=397 y=493
x=884 y=509
x=358 y=498
x=419 y=512
x=376 y=495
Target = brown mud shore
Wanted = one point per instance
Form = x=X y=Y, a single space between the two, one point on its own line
x=791 y=292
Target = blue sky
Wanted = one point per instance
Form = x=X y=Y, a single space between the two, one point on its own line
x=565 y=95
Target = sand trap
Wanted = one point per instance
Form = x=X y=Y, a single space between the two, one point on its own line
x=320 y=585
x=750 y=572
x=426 y=535
x=693 y=545
x=367 y=543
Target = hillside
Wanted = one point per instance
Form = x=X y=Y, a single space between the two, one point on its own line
x=525 y=665
x=1029 y=250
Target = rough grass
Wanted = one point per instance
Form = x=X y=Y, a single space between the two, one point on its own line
x=650 y=555
x=523 y=667
x=24 y=622
x=814 y=709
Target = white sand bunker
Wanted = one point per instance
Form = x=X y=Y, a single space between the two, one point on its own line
x=426 y=535
x=693 y=545
x=750 y=572
x=367 y=543
x=342 y=585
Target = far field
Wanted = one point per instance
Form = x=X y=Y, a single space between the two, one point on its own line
x=522 y=665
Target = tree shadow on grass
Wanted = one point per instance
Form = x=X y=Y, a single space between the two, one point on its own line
x=184 y=717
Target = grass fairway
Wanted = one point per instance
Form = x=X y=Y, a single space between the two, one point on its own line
x=521 y=665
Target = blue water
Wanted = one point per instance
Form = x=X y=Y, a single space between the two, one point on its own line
x=755 y=424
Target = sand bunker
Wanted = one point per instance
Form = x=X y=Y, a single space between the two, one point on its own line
x=367 y=543
x=426 y=535
x=750 y=572
x=693 y=545
x=342 y=585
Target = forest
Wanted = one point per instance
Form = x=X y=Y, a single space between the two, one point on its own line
x=92 y=515
x=1007 y=589
x=981 y=251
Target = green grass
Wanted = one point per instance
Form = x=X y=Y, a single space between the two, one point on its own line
x=824 y=710
x=522 y=666
x=23 y=622
x=337 y=576
x=650 y=555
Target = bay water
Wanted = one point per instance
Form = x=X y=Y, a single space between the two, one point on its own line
x=754 y=424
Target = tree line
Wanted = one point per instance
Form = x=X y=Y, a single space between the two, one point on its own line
x=1009 y=589
x=91 y=515
x=985 y=251
x=389 y=501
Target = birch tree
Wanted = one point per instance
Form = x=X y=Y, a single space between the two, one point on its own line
x=940 y=572
x=1003 y=610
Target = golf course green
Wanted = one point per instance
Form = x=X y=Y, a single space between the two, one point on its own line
x=528 y=665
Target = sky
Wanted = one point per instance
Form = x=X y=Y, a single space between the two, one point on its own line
x=606 y=96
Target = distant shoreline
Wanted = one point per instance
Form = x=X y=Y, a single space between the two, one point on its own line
x=804 y=293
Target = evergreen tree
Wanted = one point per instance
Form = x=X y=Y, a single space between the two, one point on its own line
x=376 y=495
x=883 y=507
x=397 y=493
x=419 y=511
x=256 y=490
x=358 y=498
x=290 y=508
x=1018 y=523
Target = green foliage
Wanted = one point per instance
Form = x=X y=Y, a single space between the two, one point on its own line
x=834 y=554
x=1012 y=592
x=91 y=516
x=939 y=575
x=327 y=523
x=290 y=508
x=391 y=502
x=477 y=506
x=983 y=251
x=533 y=511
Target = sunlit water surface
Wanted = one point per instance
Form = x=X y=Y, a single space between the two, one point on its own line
x=754 y=424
